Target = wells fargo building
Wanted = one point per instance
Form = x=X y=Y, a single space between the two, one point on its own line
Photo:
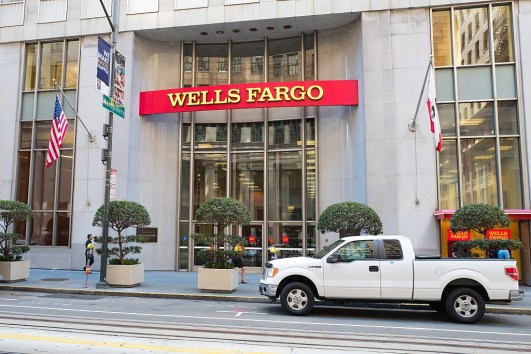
x=288 y=106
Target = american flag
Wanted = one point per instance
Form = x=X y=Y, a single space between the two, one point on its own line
x=58 y=132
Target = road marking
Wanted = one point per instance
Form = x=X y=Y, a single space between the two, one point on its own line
x=461 y=330
x=122 y=345
x=239 y=313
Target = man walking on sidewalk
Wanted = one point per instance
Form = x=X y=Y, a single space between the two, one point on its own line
x=89 y=252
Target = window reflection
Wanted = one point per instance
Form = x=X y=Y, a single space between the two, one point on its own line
x=43 y=183
x=285 y=134
x=210 y=136
x=211 y=64
x=63 y=229
x=248 y=182
x=41 y=229
x=448 y=176
x=502 y=33
x=284 y=59
x=284 y=241
x=210 y=177
x=246 y=136
x=31 y=67
x=248 y=62
x=442 y=38
x=479 y=171
x=510 y=171
x=447 y=119
x=507 y=117
x=471 y=25
x=51 y=65
x=65 y=180
x=476 y=118
x=285 y=185
x=72 y=56
x=311 y=185
x=23 y=176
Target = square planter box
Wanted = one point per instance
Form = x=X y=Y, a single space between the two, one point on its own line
x=126 y=276
x=14 y=271
x=217 y=280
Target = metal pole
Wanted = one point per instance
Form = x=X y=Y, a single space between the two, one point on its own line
x=413 y=123
x=105 y=227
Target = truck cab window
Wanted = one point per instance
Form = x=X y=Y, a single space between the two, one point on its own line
x=356 y=250
x=392 y=249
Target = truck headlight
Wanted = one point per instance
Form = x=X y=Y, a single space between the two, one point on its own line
x=271 y=272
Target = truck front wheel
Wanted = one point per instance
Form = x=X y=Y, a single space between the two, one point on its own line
x=297 y=299
x=465 y=305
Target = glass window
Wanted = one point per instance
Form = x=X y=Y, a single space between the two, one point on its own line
x=285 y=186
x=28 y=99
x=253 y=250
x=248 y=182
x=356 y=251
x=23 y=176
x=392 y=249
x=502 y=33
x=474 y=83
x=510 y=172
x=72 y=58
x=43 y=183
x=210 y=136
x=280 y=50
x=63 y=229
x=507 y=117
x=310 y=132
x=31 y=67
x=505 y=81
x=476 y=118
x=188 y=64
x=311 y=186
x=248 y=136
x=311 y=232
x=185 y=186
x=442 y=38
x=248 y=62
x=466 y=35
x=448 y=176
x=41 y=229
x=285 y=134
x=310 y=57
x=478 y=164
x=210 y=177
x=42 y=137
x=25 y=135
x=447 y=119
x=51 y=65
x=209 y=59
x=65 y=180
x=444 y=84
x=284 y=241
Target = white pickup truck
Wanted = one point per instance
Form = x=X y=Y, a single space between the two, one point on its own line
x=384 y=269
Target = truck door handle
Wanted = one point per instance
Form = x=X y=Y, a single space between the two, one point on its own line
x=373 y=268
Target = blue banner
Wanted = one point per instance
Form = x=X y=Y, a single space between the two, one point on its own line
x=104 y=65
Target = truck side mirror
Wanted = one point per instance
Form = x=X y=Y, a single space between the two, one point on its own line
x=333 y=258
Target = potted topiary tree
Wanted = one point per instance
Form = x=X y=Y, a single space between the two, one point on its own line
x=12 y=267
x=480 y=218
x=350 y=219
x=218 y=273
x=123 y=214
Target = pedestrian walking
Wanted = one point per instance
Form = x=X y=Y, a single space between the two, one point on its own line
x=238 y=262
x=89 y=252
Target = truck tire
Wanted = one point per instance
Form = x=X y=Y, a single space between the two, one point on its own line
x=297 y=299
x=438 y=306
x=465 y=305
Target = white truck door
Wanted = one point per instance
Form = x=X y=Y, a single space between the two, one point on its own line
x=355 y=273
x=396 y=271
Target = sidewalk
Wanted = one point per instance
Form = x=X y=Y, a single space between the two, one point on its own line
x=183 y=285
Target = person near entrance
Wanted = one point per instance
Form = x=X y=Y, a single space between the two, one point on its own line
x=238 y=262
x=89 y=252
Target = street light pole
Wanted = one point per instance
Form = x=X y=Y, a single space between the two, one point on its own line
x=105 y=224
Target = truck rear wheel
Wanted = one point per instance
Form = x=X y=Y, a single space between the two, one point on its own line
x=465 y=305
x=297 y=299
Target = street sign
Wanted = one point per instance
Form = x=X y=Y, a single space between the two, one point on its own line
x=112 y=106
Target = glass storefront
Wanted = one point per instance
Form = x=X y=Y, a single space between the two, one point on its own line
x=265 y=158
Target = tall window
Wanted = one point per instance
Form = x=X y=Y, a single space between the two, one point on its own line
x=47 y=190
x=480 y=160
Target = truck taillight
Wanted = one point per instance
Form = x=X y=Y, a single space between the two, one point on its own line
x=512 y=272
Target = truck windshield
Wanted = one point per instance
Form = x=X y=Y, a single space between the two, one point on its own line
x=327 y=249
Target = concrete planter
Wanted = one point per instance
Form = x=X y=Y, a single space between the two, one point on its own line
x=126 y=276
x=14 y=271
x=217 y=280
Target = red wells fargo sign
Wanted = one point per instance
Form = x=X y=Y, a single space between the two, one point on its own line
x=258 y=95
x=458 y=236
x=498 y=234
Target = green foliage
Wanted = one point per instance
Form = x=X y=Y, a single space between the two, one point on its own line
x=122 y=215
x=350 y=219
x=464 y=248
x=11 y=212
x=479 y=218
x=221 y=213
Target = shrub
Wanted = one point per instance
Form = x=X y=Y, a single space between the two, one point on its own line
x=11 y=212
x=220 y=213
x=122 y=215
x=350 y=219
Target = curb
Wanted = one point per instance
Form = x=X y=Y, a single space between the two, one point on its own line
x=217 y=297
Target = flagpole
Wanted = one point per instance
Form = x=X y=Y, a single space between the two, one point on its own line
x=91 y=135
x=413 y=123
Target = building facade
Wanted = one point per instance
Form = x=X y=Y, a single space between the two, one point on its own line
x=287 y=164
